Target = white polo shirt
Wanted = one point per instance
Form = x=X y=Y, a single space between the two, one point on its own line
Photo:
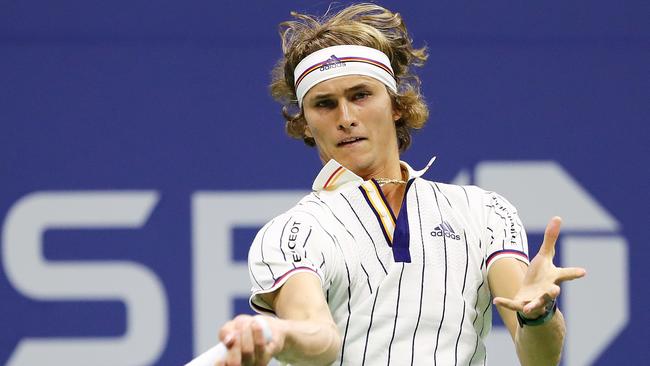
x=406 y=290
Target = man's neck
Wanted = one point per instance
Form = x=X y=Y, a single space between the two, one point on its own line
x=394 y=192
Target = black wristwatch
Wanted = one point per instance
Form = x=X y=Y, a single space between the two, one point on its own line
x=539 y=320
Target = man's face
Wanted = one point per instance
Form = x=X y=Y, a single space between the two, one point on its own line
x=352 y=120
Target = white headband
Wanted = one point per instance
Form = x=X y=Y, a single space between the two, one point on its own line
x=331 y=62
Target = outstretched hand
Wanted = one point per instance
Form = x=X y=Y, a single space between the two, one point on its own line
x=541 y=284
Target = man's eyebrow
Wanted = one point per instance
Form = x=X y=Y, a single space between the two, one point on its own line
x=321 y=96
x=356 y=87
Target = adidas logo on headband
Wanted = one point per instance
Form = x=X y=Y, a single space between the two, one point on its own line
x=333 y=61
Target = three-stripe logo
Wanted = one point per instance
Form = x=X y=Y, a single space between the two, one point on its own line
x=444 y=229
x=332 y=62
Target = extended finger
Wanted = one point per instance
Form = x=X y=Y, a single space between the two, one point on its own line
x=568 y=274
x=508 y=303
x=550 y=236
x=536 y=307
x=539 y=305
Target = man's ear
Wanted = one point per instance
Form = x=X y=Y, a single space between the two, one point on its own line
x=396 y=115
x=308 y=132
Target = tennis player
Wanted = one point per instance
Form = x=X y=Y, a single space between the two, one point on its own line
x=379 y=266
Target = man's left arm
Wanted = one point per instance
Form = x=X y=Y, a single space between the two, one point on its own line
x=532 y=291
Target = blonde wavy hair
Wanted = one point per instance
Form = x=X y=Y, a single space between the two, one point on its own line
x=363 y=24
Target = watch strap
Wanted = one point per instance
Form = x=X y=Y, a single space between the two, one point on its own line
x=539 y=320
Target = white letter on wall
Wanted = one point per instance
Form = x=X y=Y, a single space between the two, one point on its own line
x=135 y=285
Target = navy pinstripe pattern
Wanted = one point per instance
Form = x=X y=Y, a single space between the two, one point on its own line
x=462 y=320
x=372 y=316
x=417 y=324
x=399 y=293
x=444 y=299
x=366 y=231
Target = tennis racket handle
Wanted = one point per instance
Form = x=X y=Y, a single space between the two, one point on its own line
x=218 y=352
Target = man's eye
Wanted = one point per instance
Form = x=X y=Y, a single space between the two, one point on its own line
x=324 y=103
x=361 y=95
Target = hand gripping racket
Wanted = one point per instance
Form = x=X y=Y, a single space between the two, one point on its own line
x=218 y=352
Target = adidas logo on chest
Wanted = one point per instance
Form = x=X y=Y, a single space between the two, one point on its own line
x=444 y=229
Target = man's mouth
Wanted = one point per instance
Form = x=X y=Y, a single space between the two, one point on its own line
x=350 y=141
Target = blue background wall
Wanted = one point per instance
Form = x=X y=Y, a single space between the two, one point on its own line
x=171 y=97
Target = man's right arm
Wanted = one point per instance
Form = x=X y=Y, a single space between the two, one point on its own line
x=303 y=334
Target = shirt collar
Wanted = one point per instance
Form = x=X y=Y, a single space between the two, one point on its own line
x=334 y=175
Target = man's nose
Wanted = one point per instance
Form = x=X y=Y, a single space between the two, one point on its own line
x=346 y=116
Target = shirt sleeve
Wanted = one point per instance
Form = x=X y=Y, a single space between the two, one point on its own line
x=505 y=234
x=289 y=244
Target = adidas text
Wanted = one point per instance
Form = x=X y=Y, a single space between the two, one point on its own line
x=446 y=233
x=332 y=63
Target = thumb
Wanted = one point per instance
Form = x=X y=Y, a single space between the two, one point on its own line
x=550 y=237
